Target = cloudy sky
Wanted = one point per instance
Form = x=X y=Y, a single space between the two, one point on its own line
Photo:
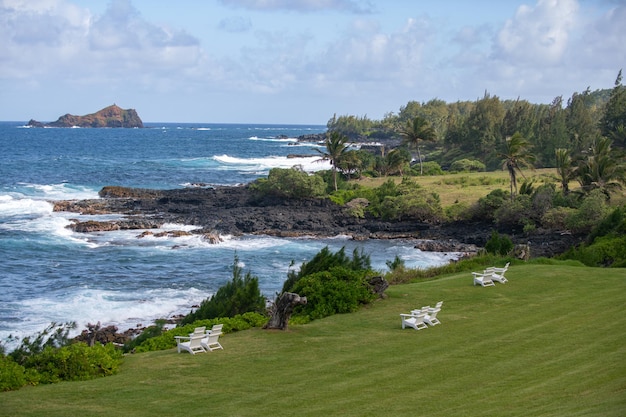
x=297 y=61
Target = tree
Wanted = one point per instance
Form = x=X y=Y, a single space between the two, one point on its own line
x=397 y=160
x=336 y=146
x=613 y=123
x=515 y=157
x=581 y=120
x=484 y=127
x=565 y=169
x=241 y=295
x=415 y=130
x=603 y=168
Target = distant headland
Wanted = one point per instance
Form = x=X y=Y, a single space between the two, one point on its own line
x=112 y=116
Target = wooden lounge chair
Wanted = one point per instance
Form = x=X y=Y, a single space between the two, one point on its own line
x=191 y=344
x=498 y=273
x=484 y=279
x=217 y=328
x=415 y=321
x=211 y=342
x=431 y=317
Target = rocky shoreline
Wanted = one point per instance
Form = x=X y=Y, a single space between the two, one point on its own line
x=236 y=210
x=219 y=211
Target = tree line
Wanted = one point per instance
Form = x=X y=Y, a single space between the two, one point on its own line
x=479 y=129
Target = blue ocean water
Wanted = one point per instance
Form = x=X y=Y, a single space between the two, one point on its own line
x=51 y=274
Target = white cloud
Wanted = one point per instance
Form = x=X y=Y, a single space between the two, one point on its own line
x=537 y=35
x=46 y=40
x=351 y=6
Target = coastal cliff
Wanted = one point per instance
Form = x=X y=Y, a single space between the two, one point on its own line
x=112 y=116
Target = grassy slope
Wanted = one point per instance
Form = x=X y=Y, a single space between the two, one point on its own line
x=469 y=187
x=551 y=342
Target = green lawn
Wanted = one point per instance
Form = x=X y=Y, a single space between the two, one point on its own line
x=551 y=342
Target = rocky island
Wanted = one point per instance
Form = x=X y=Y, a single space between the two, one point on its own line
x=112 y=116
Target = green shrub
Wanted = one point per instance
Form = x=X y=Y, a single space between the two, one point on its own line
x=238 y=296
x=604 y=251
x=487 y=205
x=592 y=210
x=12 y=375
x=499 y=244
x=338 y=290
x=614 y=223
x=467 y=165
x=514 y=214
x=556 y=218
x=457 y=212
x=290 y=183
x=428 y=168
x=332 y=282
x=75 y=362
x=325 y=260
x=396 y=264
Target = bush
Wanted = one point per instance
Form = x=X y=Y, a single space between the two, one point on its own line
x=12 y=375
x=556 y=218
x=499 y=244
x=428 y=168
x=75 y=362
x=338 y=290
x=590 y=213
x=238 y=296
x=458 y=212
x=514 y=214
x=290 y=183
x=332 y=282
x=605 y=251
x=325 y=260
x=487 y=205
x=467 y=165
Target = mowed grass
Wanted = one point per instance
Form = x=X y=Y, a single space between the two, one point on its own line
x=551 y=342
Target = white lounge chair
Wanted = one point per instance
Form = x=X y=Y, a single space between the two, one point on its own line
x=498 y=273
x=217 y=328
x=211 y=342
x=483 y=278
x=431 y=317
x=198 y=331
x=416 y=321
x=191 y=344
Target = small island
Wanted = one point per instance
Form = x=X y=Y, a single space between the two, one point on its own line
x=112 y=116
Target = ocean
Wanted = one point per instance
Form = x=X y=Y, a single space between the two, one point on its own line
x=51 y=274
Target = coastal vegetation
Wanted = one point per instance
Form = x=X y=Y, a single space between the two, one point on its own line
x=521 y=348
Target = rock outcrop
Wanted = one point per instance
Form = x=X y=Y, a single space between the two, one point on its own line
x=237 y=210
x=112 y=116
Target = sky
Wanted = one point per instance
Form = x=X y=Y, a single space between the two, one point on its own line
x=298 y=61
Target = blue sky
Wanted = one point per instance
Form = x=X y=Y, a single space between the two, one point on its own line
x=297 y=61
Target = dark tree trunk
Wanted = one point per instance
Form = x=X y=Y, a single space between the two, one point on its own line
x=282 y=309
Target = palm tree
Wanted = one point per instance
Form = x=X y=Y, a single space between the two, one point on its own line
x=336 y=146
x=565 y=169
x=603 y=168
x=416 y=130
x=516 y=156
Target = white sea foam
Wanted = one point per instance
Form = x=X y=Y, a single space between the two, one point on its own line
x=11 y=206
x=285 y=140
x=120 y=308
x=309 y=164
x=62 y=191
